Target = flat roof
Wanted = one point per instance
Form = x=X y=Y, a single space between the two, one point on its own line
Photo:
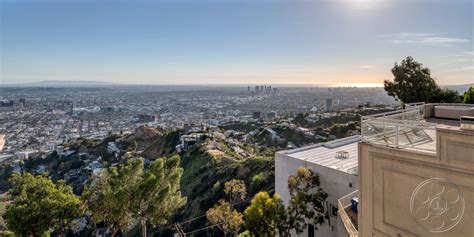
x=324 y=154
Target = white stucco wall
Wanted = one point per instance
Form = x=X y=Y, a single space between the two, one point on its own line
x=334 y=182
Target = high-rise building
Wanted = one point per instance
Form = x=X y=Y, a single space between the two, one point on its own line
x=328 y=105
x=248 y=88
x=257 y=88
x=22 y=102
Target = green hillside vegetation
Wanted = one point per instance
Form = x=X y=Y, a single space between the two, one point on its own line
x=204 y=177
x=300 y=120
x=163 y=145
x=296 y=136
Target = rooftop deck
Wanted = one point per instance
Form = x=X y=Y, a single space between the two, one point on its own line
x=409 y=128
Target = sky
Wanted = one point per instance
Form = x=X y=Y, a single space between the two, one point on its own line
x=318 y=42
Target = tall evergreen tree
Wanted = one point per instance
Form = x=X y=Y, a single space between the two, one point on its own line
x=131 y=191
x=108 y=198
x=158 y=194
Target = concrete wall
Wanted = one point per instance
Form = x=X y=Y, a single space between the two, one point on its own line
x=341 y=229
x=334 y=182
x=389 y=178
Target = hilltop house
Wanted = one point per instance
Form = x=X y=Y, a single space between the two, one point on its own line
x=410 y=173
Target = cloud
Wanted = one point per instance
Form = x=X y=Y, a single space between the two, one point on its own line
x=421 y=39
x=462 y=69
x=470 y=68
x=469 y=53
x=366 y=66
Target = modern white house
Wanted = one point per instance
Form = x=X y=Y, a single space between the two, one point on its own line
x=410 y=172
x=336 y=162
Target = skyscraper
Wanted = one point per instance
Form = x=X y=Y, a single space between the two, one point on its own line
x=328 y=104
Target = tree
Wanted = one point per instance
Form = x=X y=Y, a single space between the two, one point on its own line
x=37 y=205
x=306 y=201
x=469 y=96
x=108 y=198
x=444 y=95
x=413 y=83
x=235 y=189
x=131 y=191
x=265 y=215
x=158 y=194
x=227 y=220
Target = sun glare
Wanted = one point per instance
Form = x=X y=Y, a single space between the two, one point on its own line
x=362 y=4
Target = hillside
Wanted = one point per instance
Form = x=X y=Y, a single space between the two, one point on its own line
x=207 y=166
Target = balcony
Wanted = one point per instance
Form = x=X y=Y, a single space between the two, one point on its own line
x=347 y=216
x=404 y=129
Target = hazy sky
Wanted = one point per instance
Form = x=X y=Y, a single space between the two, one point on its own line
x=233 y=41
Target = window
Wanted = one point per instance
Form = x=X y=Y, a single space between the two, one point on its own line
x=350 y=185
x=310 y=230
x=334 y=210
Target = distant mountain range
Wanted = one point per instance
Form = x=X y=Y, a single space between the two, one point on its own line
x=57 y=83
x=459 y=88
x=53 y=83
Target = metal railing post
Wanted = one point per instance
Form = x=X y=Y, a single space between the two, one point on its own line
x=396 y=137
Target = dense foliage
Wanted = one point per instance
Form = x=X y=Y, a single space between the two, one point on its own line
x=158 y=194
x=108 y=198
x=38 y=205
x=469 y=96
x=307 y=200
x=150 y=195
x=265 y=215
x=413 y=83
x=227 y=220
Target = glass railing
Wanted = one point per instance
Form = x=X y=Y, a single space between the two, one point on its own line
x=400 y=129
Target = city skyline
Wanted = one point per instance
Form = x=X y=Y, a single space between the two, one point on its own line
x=344 y=42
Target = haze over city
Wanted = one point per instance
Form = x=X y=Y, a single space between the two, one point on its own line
x=236 y=118
x=340 y=42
